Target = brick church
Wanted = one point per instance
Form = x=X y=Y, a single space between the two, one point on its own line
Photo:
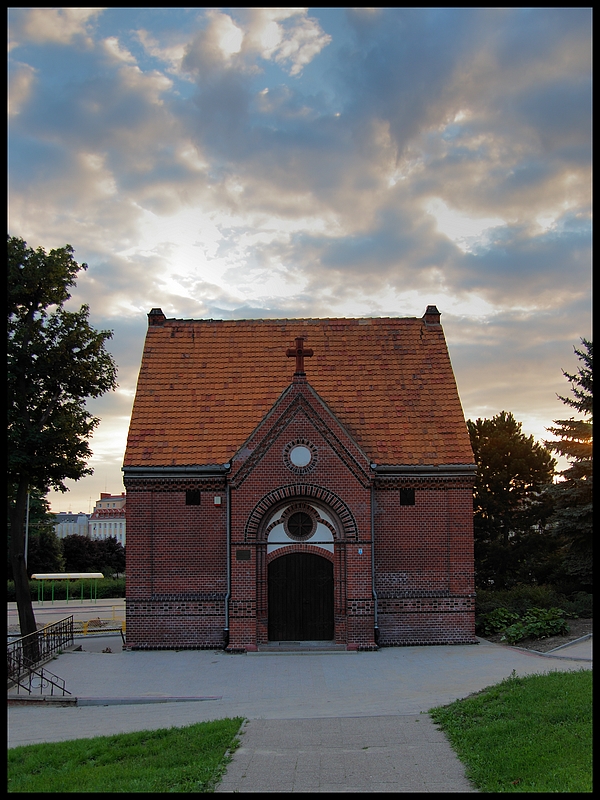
x=298 y=480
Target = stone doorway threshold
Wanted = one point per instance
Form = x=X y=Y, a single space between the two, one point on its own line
x=302 y=647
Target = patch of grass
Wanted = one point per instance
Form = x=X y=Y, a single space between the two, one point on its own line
x=188 y=759
x=530 y=734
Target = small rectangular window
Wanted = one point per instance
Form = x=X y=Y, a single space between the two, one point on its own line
x=192 y=497
x=407 y=497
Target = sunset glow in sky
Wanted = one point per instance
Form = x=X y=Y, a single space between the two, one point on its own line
x=230 y=163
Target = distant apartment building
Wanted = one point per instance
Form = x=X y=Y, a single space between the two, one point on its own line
x=68 y=524
x=108 y=517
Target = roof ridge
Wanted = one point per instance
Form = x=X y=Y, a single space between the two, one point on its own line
x=290 y=319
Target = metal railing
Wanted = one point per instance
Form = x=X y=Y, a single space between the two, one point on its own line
x=41 y=679
x=28 y=653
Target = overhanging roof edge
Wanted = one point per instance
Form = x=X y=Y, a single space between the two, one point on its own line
x=200 y=470
x=424 y=469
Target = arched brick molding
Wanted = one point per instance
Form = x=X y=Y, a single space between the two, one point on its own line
x=295 y=548
x=254 y=529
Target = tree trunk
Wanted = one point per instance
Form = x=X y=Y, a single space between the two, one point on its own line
x=17 y=557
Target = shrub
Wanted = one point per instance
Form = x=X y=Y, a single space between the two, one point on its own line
x=538 y=623
x=519 y=599
x=108 y=587
x=497 y=620
x=579 y=604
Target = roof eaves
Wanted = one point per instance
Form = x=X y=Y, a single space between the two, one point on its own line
x=188 y=471
x=424 y=470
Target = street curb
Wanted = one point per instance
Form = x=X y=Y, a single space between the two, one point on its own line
x=50 y=700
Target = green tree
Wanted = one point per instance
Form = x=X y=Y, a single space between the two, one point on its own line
x=111 y=556
x=81 y=553
x=510 y=503
x=572 y=520
x=56 y=360
x=44 y=551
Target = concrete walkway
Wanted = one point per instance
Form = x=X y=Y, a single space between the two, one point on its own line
x=345 y=754
x=317 y=721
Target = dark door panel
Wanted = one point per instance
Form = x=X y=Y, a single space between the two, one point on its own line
x=301 y=598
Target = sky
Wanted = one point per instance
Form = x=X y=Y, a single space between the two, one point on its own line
x=233 y=163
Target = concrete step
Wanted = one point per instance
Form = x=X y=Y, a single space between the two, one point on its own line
x=302 y=647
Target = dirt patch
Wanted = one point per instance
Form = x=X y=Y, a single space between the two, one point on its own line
x=577 y=629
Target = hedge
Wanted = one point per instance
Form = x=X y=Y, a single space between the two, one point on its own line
x=105 y=587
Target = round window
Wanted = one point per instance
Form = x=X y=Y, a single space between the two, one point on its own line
x=300 y=456
x=300 y=526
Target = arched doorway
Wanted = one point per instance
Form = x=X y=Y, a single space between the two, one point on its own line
x=300 y=598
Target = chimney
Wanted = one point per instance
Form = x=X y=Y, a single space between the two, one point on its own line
x=156 y=317
x=431 y=316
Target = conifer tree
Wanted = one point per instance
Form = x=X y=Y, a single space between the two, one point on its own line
x=510 y=503
x=571 y=522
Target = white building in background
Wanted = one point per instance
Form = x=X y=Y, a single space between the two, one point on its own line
x=67 y=524
x=108 y=517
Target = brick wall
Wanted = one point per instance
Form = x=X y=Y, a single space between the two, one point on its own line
x=176 y=564
x=424 y=571
x=176 y=553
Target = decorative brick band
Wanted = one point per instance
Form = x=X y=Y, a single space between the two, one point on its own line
x=174 y=646
x=424 y=482
x=361 y=607
x=182 y=484
x=180 y=624
x=188 y=597
x=429 y=603
x=242 y=608
x=404 y=594
x=253 y=529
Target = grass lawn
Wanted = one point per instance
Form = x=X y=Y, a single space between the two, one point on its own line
x=531 y=734
x=190 y=759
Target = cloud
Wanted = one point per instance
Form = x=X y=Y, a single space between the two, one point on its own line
x=417 y=126
x=286 y=36
x=20 y=85
x=298 y=162
x=57 y=25
x=116 y=51
x=171 y=53
x=213 y=47
x=493 y=357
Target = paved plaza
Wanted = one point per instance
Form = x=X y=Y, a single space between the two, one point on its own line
x=316 y=721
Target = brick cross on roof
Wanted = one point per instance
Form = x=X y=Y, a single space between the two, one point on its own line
x=299 y=351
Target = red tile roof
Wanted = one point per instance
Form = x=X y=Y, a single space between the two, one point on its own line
x=204 y=386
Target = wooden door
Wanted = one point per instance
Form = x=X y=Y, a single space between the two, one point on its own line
x=301 y=598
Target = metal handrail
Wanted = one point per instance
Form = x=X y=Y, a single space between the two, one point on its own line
x=42 y=679
x=28 y=652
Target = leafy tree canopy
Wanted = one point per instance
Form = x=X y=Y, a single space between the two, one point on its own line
x=44 y=552
x=56 y=361
x=82 y=554
x=111 y=556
